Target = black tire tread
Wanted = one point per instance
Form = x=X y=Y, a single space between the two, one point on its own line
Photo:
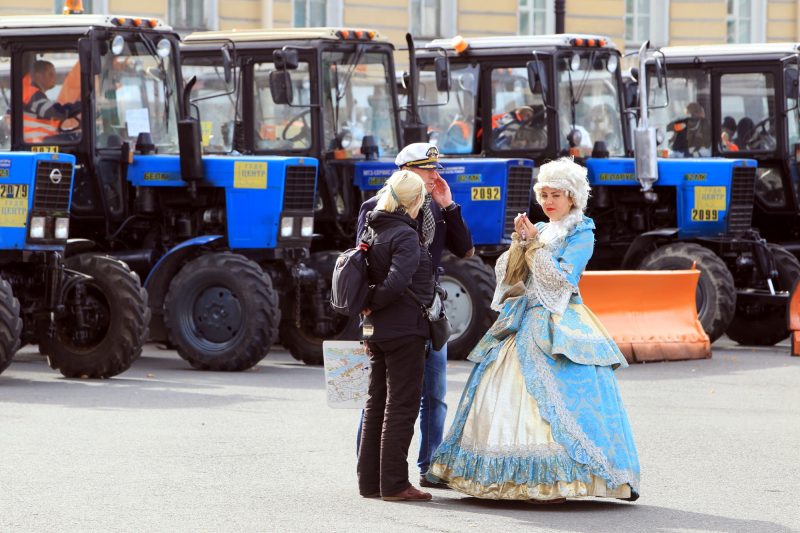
x=480 y=279
x=10 y=324
x=263 y=324
x=712 y=267
x=127 y=329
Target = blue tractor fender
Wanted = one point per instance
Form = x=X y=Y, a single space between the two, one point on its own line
x=642 y=244
x=159 y=278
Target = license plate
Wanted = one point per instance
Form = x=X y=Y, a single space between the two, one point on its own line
x=485 y=193
x=13 y=190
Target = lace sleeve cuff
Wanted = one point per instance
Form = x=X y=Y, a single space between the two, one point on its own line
x=528 y=243
x=550 y=285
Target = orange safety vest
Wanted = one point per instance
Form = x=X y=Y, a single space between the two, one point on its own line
x=34 y=128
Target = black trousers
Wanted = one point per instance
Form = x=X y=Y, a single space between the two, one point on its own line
x=395 y=388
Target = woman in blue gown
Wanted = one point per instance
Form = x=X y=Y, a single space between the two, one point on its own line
x=541 y=417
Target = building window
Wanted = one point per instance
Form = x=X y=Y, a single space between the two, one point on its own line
x=746 y=21
x=309 y=13
x=89 y=6
x=190 y=15
x=637 y=21
x=534 y=17
x=646 y=20
x=426 y=19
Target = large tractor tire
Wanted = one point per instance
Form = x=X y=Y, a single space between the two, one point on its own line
x=10 y=325
x=114 y=318
x=470 y=287
x=221 y=312
x=765 y=325
x=716 y=292
x=305 y=342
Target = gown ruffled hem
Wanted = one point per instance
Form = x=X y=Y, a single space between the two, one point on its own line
x=509 y=490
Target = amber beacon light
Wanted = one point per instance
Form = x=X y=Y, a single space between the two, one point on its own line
x=73 y=7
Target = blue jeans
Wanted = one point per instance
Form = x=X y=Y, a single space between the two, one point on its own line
x=432 y=408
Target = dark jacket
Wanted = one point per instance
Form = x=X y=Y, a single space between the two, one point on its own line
x=451 y=230
x=398 y=261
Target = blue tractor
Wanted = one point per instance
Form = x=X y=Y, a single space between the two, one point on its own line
x=542 y=97
x=737 y=101
x=328 y=94
x=89 y=313
x=218 y=240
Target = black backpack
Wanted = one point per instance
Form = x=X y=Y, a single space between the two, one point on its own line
x=350 y=284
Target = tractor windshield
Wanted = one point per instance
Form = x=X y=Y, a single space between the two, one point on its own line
x=136 y=93
x=519 y=116
x=281 y=127
x=450 y=116
x=685 y=118
x=217 y=104
x=588 y=101
x=357 y=101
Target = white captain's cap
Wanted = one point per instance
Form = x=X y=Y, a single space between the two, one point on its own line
x=419 y=155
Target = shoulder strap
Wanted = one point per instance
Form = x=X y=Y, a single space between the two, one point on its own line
x=416 y=299
x=367 y=236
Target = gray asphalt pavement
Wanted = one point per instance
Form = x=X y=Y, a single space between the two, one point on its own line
x=167 y=448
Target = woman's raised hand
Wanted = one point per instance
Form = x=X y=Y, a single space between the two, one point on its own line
x=524 y=227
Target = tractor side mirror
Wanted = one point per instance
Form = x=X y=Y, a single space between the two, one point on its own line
x=280 y=86
x=537 y=78
x=227 y=65
x=285 y=59
x=791 y=87
x=441 y=66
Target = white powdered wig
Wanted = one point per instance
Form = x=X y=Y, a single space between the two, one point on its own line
x=566 y=175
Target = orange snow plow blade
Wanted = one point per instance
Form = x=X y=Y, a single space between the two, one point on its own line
x=794 y=319
x=652 y=315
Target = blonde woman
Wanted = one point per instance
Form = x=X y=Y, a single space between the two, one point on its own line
x=397 y=334
x=541 y=418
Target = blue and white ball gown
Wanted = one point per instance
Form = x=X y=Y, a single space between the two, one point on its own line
x=541 y=415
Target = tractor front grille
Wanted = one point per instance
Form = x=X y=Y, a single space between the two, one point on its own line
x=300 y=185
x=53 y=185
x=518 y=195
x=740 y=212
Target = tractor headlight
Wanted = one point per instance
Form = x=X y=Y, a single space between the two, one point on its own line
x=287 y=225
x=62 y=228
x=307 y=227
x=37 y=227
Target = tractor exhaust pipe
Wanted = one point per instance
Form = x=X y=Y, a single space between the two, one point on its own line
x=644 y=136
x=414 y=131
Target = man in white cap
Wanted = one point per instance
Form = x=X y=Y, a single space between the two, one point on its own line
x=440 y=226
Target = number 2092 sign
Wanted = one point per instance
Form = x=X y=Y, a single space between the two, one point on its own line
x=485 y=193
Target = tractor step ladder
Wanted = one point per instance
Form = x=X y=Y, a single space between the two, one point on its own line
x=651 y=315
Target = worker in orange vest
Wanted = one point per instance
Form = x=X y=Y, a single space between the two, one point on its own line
x=42 y=116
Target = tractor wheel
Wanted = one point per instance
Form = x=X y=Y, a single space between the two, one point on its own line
x=470 y=287
x=305 y=342
x=716 y=292
x=112 y=328
x=221 y=312
x=765 y=325
x=10 y=325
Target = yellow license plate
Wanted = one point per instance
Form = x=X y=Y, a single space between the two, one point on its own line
x=485 y=193
x=13 y=190
x=705 y=215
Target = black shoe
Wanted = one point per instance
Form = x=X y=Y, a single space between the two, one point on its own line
x=425 y=482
